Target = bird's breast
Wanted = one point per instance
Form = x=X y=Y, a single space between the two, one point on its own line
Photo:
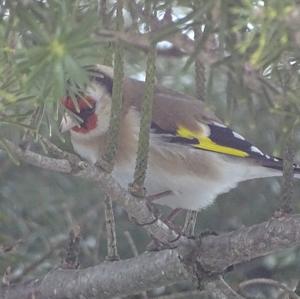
x=193 y=184
x=194 y=177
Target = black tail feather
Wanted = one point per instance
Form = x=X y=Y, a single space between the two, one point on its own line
x=276 y=163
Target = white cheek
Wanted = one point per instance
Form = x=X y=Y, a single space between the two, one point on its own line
x=103 y=108
x=89 y=153
x=103 y=114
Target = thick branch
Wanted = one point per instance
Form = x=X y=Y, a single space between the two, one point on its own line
x=136 y=208
x=149 y=270
x=213 y=255
x=107 y=280
x=249 y=243
x=257 y=240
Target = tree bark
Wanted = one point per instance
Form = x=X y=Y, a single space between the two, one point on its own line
x=202 y=259
x=211 y=256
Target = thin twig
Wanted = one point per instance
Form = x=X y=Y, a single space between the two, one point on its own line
x=5 y=278
x=138 y=209
x=5 y=248
x=191 y=216
x=269 y=282
x=199 y=68
x=182 y=45
x=17 y=276
x=105 y=22
x=112 y=249
x=190 y=223
x=100 y=233
x=114 y=125
x=116 y=106
x=288 y=174
x=56 y=152
x=131 y=243
x=137 y=187
x=71 y=260
x=222 y=290
x=240 y=246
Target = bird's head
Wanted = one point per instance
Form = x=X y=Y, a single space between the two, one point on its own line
x=93 y=106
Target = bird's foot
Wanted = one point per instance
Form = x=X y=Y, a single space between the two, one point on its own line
x=206 y=233
x=198 y=238
x=282 y=212
x=157 y=196
x=153 y=210
x=157 y=245
x=190 y=223
x=139 y=191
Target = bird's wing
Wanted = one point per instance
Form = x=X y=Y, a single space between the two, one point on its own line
x=180 y=119
x=214 y=137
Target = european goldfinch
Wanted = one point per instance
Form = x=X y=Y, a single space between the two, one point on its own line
x=192 y=153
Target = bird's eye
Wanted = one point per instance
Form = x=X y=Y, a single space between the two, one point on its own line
x=103 y=80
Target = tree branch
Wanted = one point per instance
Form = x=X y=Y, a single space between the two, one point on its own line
x=149 y=270
x=106 y=280
x=207 y=258
x=111 y=236
x=268 y=282
x=137 y=208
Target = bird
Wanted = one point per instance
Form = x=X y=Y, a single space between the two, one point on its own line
x=193 y=155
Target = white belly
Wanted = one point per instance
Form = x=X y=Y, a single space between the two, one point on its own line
x=191 y=192
x=188 y=191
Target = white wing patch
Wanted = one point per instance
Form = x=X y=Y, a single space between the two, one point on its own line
x=257 y=150
x=219 y=125
x=237 y=135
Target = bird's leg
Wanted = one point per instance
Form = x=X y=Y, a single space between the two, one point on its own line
x=154 y=212
x=159 y=195
x=140 y=192
x=110 y=224
x=190 y=221
x=167 y=220
x=150 y=199
x=173 y=214
x=189 y=224
x=188 y=229
x=155 y=244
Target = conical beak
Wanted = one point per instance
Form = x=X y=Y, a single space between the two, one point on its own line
x=67 y=123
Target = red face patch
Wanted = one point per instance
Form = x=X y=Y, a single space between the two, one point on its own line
x=86 y=113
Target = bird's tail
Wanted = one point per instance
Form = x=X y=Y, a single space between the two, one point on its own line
x=277 y=164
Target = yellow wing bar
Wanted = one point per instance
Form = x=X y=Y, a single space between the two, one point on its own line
x=206 y=143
